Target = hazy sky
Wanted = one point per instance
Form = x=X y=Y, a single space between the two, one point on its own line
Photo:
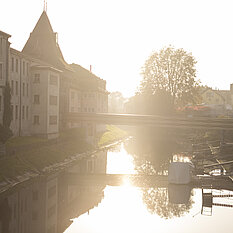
x=116 y=36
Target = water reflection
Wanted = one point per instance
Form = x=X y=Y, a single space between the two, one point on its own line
x=152 y=149
x=86 y=199
x=49 y=203
x=173 y=201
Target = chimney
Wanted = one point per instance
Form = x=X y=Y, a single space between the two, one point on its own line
x=231 y=88
x=90 y=68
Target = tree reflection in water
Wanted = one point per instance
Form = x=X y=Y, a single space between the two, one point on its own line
x=157 y=201
x=152 y=150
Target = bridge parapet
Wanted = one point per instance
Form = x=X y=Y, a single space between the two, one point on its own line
x=152 y=120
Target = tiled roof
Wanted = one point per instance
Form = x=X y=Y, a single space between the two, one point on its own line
x=42 y=44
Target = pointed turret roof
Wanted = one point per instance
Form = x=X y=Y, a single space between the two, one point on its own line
x=42 y=44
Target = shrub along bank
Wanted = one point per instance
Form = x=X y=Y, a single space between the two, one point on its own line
x=112 y=134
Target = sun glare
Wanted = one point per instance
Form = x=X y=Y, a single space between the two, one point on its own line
x=122 y=163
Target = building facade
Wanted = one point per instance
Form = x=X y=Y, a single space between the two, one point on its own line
x=44 y=87
x=220 y=101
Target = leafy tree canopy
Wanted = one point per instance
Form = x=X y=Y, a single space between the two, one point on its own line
x=173 y=71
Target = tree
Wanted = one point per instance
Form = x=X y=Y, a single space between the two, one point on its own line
x=158 y=103
x=116 y=102
x=5 y=131
x=173 y=71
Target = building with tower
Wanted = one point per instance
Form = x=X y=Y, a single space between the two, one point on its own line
x=44 y=87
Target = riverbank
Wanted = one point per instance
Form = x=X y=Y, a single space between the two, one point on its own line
x=35 y=156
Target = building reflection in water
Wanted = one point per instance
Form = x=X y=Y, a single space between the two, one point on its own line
x=48 y=204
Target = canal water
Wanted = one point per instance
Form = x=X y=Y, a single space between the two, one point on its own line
x=71 y=203
x=131 y=209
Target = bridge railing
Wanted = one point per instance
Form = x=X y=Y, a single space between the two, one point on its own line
x=152 y=120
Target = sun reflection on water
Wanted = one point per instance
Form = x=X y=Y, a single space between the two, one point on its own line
x=123 y=209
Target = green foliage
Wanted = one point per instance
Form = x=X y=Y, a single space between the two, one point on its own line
x=173 y=71
x=112 y=134
x=5 y=132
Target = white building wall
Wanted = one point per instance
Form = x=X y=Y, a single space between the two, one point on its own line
x=19 y=80
x=15 y=91
x=25 y=97
x=39 y=82
x=52 y=107
x=75 y=105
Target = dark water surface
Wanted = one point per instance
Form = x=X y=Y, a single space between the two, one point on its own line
x=72 y=203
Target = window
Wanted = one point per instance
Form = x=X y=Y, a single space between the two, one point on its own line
x=16 y=112
x=53 y=120
x=12 y=109
x=23 y=89
x=35 y=195
x=51 y=229
x=90 y=130
x=27 y=69
x=36 y=120
x=23 y=114
x=51 y=211
x=34 y=216
x=25 y=205
x=27 y=89
x=16 y=65
x=21 y=206
x=36 y=78
x=15 y=210
x=0 y=103
x=12 y=87
x=16 y=87
x=23 y=67
x=12 y=64
x=72 y=95
x=0 y=46
x=52 y=191
x=27 y=112
x=36 y=99
x=1 y=71
x=90 y=166
x=52 y=100
x=53 y=80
